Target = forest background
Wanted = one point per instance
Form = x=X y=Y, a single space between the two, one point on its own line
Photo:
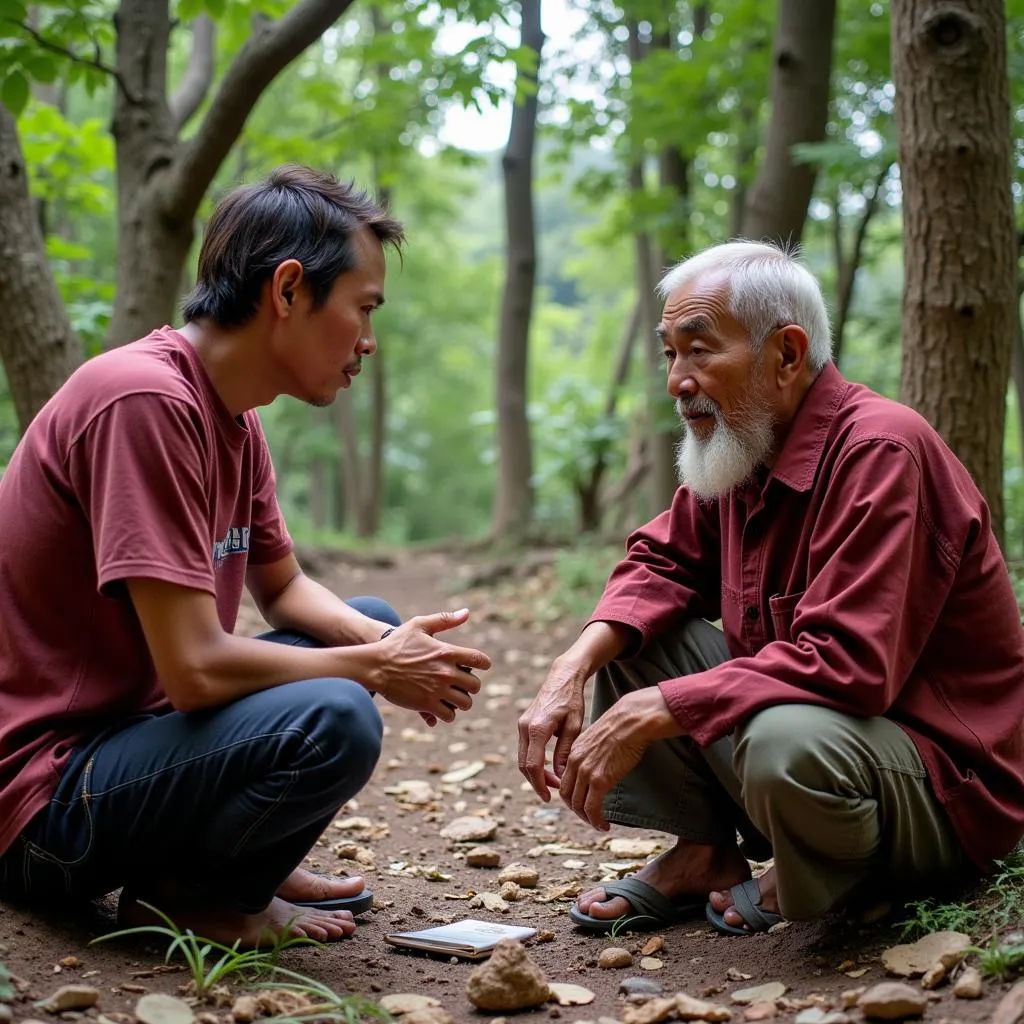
x=549 y=158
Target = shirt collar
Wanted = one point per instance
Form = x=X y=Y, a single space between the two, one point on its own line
x=801 y=451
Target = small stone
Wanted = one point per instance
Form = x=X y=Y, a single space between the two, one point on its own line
x=892 y=1000
x=469 y=829
x=544 y=935
x=510 y=980
x=688 y=1008
x=489 y=901
x=766 y=993
x=407 y=1002
x=735 y=974
x=652 y=1011
x=613 y=956
x=483 y=857
x=157 y=1008
x=457 y=775
x=848 y=1000
x=934 y=976
x=510 y=891
x=428 y=1015
x=6 y=1014
x=653 y=945
x=1011 y=1007
x=760 y=1011
x=522 y=874
x=633 y=847
x=907 y=961
x=639 y=988
x=245 y=1009
x=571 y=995
x=70 y=997
x=968 y=985
x=71 y=961
x=651 y=963
x=816 y=1015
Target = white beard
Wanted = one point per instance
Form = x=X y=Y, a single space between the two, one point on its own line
x=712 y=466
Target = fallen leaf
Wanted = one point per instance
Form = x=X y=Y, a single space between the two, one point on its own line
x=653 y=945
x=461 y=774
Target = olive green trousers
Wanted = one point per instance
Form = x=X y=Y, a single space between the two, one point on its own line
x=837 y=800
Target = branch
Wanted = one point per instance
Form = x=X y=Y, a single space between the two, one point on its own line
x=198 y=75
x=91 y=62
x=268 y=51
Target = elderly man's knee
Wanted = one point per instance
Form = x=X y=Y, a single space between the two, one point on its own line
x=778 y=749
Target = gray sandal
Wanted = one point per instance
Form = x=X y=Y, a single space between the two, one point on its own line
x=746 y=901
x=648 y=908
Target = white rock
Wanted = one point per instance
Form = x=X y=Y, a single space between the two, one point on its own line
x=892 y=1000
x=412 y=791
x=816 y=1015
x=968 y=985
x=522 y=874
x=407 y=1002
x=612 y=957
x=469 y=829
x=766 y=993
x=157 y=1008
x=688 y=1008
x=457 y=775
x=571 y=995
x=651 y=963
x=633 y=847
x=70 y=997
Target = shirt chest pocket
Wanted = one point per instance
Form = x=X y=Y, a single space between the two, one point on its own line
x=783 y=608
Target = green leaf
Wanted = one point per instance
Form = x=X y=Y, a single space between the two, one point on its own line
x=15 y=10
x=14 y=92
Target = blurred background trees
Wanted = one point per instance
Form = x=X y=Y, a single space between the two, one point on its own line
x=550 y=160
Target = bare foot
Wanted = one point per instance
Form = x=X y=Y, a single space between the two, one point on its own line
x=722 y=901
x=304 y=885
x=230 y=926
x=688 y=868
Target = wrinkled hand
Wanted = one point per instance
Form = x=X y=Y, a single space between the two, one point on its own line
x=610 y=749
x=556 y=711
x=427 y=675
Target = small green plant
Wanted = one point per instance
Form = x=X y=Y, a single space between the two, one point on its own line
x=622 y=924
x=1000 y=960
x=197 y=952
x=6 y=986
x=325 y=1003
x=986 y=915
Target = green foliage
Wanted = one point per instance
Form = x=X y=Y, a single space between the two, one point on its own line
x=989 y=912
x=6 y=986
x=197 y=952
x=328 y=1005
x=1000 y=959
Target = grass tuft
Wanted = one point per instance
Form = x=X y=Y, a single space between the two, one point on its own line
x=198 y=952
x=325 y=1003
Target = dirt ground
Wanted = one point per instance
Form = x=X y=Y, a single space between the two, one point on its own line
x=420 y=878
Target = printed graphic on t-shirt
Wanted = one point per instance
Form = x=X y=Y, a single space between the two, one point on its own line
x=235 y=542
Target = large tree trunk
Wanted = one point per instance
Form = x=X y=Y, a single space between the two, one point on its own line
x=161 y=180
x=801 y=77
x=959 y=242
x=513 y=506
x=38 y=347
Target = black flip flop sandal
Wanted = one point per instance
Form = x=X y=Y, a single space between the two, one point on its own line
x=746 y=900
x=649 y=909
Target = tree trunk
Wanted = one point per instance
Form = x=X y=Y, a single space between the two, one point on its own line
x=160 y=180
x=513 y=506
x=801 y=80
x=38 y=347
x=959 y=241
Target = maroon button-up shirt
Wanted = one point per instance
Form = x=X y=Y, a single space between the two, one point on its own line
x=860 y=574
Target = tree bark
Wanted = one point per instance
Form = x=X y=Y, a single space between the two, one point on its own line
x=198 y=75
x=38 y=347
x=162 y=180
x=513 y=506
x=959 y=241
x=801 y=80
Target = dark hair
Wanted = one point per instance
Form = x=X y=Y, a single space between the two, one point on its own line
x=297 y=213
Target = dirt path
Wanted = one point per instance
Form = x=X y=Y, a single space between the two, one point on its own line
x=420 y=878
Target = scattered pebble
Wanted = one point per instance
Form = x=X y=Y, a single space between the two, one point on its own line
x=245 y=1009
x=1011 y=1007
x=524 y=875
x=892 y=1000
x=651 y=963
x=968 y=985
x=157 y=1008
x=470 y=829
x=510 y=980
x=766 y=993
x=571 y=995
x=816 y=1015
x=652 y=1011
x=688 y=1008
x=639 y=988
x=70 y=997
x=614 y=956
x=908 y=961
x=653 y=945
x=760 y=1011
x=483 y=857
x=399 y=1003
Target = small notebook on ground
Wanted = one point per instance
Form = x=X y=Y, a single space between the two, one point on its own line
x=472 y=940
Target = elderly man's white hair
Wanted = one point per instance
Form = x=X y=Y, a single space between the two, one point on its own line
x=766 y=287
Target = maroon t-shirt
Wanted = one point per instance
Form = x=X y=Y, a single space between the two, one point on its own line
x=135 y=468
x=861 y=575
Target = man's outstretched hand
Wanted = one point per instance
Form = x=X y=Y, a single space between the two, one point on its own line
x=556 y=711
x=420 y=672
x=611 y=748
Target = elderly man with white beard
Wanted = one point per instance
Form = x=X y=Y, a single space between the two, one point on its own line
x=859 y=715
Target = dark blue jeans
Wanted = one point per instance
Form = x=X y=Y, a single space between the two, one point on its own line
x=226 y=801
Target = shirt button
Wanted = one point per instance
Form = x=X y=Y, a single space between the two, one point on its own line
x=752 y=613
